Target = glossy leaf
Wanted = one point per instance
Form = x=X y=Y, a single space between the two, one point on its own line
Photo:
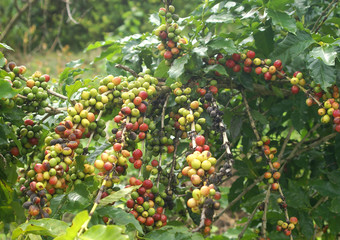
x=77 y=222
x=105 y=232
x=325 y=53
x=322 y=74
x=116 y=196
x=292 y=46
x=45 y=227
x=120 y=217
x=6 y=90
x=177 y=68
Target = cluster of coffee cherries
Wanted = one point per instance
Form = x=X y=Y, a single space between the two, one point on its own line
x=274 y=175
x=186 y=117
x=146 y=204
x=201 y=163
x=33 y=96
x=112 y=159
x=297 y=81
x=37 y=205
x=247 y=62
x=131 y=119
x=329 y=110
x=85 y=119
x=206 y=195
x=287 y=227
x=160 y=141
x=29 y=135
x=172 y=43
x=58 y=168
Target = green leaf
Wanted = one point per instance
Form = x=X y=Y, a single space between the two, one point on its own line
x=173 y=232
x=46 y=227
x=335 y=205
x=236 y=122
x=282 y=19
x=325 y=53
x=264 y=40
x=120 y=217
x=92 y=157
x=78 y=199
x=220 y=18
x=201 y=51
x=279 y=4
x=80 y=160
x=75 y=63
x=162 y=70
x=2 y=60
x=322 y=74
x=222 y=43
x=77 y=222
x=116 y=196
x=6 y=90
x=325 y=188
x=98 y=44
x=246 y=80
x=111 y=69
x=3 y=45
x=306 y=224
x=292 y=46
x=218 y=68
x=177 y=68
x=71 y=89
x=278 y=92
x=105 y=232
x=258 y=117
x=154 y=19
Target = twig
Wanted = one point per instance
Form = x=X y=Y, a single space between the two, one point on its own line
x=285 y=209
x=325 y=18
x=96 y=203
x=124 y=130
x=59 y=95
x=201 y=225
x=193 y=133
x=159 y=169
x=249 y=221
x=321 y=201
x=246 y=190
x=127 y=69
x=15 y=18
x=315 y=231
x=283 y=148
x=163 y=111
x=251 y=119
x=16 y=5
x=69 y=12
x=313 y=145
x=315 y=29
x=309 y=95
x=173 y=164
x=264 y=217
x=292 y=153
x=162 y=127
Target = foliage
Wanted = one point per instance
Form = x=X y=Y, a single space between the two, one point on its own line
x=251 y=110
x=46 y=24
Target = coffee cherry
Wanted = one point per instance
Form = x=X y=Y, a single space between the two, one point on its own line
x=251 y=54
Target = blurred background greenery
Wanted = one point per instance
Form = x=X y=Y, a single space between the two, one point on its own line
x=45 y=38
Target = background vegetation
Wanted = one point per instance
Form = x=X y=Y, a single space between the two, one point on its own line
x=303 y=34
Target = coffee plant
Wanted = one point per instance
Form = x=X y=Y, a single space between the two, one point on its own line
x=210 y=114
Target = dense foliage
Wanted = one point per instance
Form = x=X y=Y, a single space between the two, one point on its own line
x=145 y=150
x=46 y=24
